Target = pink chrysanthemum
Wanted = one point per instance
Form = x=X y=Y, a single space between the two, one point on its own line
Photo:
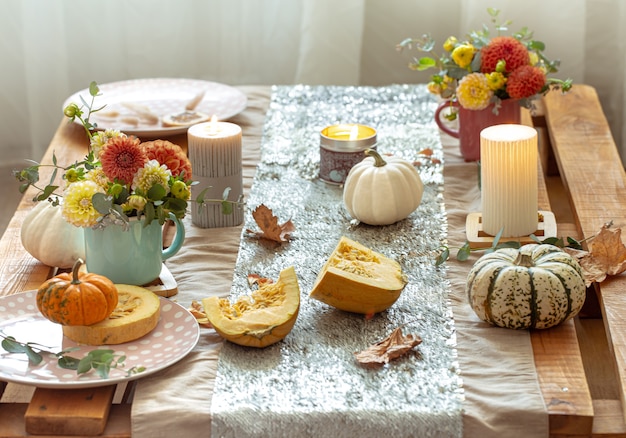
x=526 y=81
x=169 y=154
x=121 y=158
x=505 y=48
x=473 y=92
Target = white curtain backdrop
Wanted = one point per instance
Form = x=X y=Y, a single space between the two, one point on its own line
x=50 y=49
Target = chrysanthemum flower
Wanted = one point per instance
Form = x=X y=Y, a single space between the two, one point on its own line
x=99 y=139
x=526 y=81
x=463 y=55
x=169 y=154
x=78 y=209
x=495 y=80
x=506 y=48
x=149 y=175
x=97 y=175
x=473 y=92
x=121 y=158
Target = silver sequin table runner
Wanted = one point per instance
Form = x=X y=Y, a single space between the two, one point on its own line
x=310 y=384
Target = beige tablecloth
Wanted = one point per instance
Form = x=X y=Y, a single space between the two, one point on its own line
x=502 y=396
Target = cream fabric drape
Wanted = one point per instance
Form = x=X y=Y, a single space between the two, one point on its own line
x=50 y=49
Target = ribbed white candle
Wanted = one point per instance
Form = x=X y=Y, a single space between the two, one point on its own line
x=508 y=159
x=215 y=153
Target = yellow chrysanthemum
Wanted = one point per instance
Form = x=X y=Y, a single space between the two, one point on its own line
x=495 y=80
x=150 y=174
x=534 y=58
x=78 y=209
x=99 y=139
x=473 y=92
x=463 y=55
x=97 y=175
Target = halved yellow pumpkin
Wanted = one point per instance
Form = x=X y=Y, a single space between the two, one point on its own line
x=357 y=279
x=260 y=319
x=137 y=314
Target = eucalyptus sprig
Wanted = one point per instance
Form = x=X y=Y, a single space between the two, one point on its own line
x=100 y=360
x=464 y=252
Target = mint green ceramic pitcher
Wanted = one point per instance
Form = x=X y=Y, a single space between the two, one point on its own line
x=132 y=256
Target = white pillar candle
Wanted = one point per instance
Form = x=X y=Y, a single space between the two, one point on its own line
x=508 y=159
x=215 y=153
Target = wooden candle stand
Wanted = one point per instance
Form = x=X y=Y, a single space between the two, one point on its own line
x=477 y=238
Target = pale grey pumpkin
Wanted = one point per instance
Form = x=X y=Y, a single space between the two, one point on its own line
x=536 y=286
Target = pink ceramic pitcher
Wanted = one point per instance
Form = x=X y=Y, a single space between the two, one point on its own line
x=471 y=122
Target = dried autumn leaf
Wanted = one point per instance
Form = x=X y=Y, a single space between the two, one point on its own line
x=197 y=310
x=606 y=255
x=270 y=229
x=392 y=347
x=256 y=279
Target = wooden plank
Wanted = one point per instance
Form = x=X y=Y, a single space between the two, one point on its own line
x=592 y=172
x=562 y=380
x=69 y=411
x=559 y=364
x=12 y=422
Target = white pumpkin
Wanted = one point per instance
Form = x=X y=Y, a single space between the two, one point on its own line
x=536 y=286
x=50 y=239
x=381 y=191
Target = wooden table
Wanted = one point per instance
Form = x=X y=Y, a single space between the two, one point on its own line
x=581 y=364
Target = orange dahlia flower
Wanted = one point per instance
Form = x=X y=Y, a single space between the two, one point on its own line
x=121 y=157
x=526 y=81
x=170 y=154
x=506 y=48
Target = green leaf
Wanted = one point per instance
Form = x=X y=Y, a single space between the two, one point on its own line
x=425 y=63
x=157 y=192
x=441 y=258
x=496 y=238
x=102 y=203
x=68 y=362
x=227 y=207
x=11 y=345
x=464 y=252
x=537 y=46
x=84 y=365
x=33 y=357
x=93 y=89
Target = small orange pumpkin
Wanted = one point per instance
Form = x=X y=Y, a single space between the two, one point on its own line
x=77 y=298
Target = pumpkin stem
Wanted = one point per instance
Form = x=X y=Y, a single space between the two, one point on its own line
x=524 y=259
x=77 y=264
x=379 y=162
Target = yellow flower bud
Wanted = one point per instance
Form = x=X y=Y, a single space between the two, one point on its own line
x=449 y=44
x=180 y=190
x=71 y=175
x=136 y=202
x=463 y=55
x=72 y=110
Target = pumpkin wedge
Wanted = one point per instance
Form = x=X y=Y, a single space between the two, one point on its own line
x=357 y=279
x=260 y=319
x=137 y=314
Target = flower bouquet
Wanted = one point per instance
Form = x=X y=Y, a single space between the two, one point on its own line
x=120 y=177
x=484 y=69
x=485 y=79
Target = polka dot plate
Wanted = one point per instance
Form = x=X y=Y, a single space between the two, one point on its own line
x=175 y=335
x=137 y=106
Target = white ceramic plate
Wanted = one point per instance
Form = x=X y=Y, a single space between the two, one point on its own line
x=160 y=96
x=175 y=335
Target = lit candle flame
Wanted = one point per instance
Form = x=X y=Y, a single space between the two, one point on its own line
x=212 y=126
x=354 y=132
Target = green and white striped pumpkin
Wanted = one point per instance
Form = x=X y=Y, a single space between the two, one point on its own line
x=535 y=286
